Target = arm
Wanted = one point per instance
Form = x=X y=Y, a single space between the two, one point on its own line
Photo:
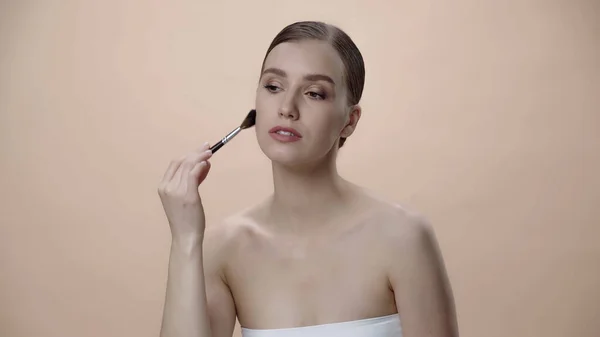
x=422 y=291
x=198 y=302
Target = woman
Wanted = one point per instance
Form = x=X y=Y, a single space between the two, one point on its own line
x=321 y=256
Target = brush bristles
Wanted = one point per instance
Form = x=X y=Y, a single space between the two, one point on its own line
x=250 y=120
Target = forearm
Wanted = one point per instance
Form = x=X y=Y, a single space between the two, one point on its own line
x=185 y=310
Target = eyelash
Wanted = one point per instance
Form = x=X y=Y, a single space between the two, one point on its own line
x=312 y=94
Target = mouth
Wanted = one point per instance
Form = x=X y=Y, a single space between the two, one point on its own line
x=285 y=131
x=284 y=134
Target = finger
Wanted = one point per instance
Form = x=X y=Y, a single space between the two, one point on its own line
x=176 y=164
x=177 y=177
x=204 y=172
x=184 y=170
x=206 y=155
x=173 y=166
x=196 y=172
x=203 y=148
x=190 y=162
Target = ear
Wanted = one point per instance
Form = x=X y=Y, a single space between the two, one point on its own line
x=353 y=118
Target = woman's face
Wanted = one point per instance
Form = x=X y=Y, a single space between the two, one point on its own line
x=301 y=103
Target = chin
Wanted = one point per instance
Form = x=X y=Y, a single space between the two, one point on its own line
x=294 y=154
x=284 y=154
x=291 y=155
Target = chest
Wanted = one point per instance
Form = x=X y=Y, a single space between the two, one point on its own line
x=313 y=279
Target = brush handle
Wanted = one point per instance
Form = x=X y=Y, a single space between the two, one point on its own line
x=217 y=146
x=225 y=139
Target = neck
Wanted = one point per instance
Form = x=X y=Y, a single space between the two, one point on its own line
x=309 y=196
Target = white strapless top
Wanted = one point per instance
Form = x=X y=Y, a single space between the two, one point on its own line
x=385 y=326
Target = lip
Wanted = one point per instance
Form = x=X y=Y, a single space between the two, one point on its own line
x=285 y=138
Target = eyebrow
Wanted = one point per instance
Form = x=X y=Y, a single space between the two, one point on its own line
x=309 y=77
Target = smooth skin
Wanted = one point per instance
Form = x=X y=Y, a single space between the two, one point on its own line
x=320 y=249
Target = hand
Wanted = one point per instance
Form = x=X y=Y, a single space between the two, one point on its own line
x=179 y=194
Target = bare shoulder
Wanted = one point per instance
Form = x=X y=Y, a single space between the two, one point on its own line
x=416 y=272
x=411 y=241
x=410 y=232
x=220 y=241
x=224 y=238
x=407 y=234
x=402 y=226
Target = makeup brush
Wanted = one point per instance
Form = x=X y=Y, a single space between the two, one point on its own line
x=248 y=122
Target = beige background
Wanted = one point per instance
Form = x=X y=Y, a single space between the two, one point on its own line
x=484 y=115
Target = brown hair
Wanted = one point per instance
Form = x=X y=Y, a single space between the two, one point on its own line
x=351 y=57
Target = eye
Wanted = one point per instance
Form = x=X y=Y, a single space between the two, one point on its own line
x=272 y=88
x=316 y=95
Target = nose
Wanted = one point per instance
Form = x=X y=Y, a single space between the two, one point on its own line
x=288 y=108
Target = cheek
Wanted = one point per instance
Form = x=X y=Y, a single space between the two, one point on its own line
x=261 y=121
x=328 y=129
x=263 y=110
x=336 y=120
